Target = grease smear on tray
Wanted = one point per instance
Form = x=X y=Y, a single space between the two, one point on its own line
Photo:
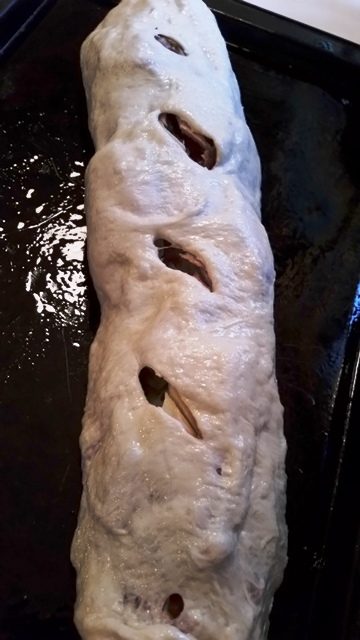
x=56 y=277
x=54 y=244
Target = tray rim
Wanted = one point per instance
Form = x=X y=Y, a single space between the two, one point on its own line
x=17 y=18
x=331 y=46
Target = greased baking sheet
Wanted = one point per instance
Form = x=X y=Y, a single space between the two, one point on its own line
x=304 y=118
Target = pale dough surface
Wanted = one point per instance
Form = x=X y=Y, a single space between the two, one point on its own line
x=156 y=516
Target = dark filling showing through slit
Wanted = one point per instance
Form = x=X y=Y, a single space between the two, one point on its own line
x=197 y=146
x=174 y=605
x=155 y=390
x=181 y=260
x=171 y=44
x=188 y=419
x=153 y=386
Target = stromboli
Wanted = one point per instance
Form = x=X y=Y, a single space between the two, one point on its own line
x=181 y=531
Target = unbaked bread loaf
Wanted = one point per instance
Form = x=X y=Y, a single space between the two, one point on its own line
x=181 y=533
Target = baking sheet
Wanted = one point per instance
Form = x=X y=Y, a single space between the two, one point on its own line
x=305 y=125
x=17 y=18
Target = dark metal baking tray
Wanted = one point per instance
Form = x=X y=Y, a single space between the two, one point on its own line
x=17 y=18
x=300 y=89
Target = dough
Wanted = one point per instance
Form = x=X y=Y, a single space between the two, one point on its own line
x=181 y=533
